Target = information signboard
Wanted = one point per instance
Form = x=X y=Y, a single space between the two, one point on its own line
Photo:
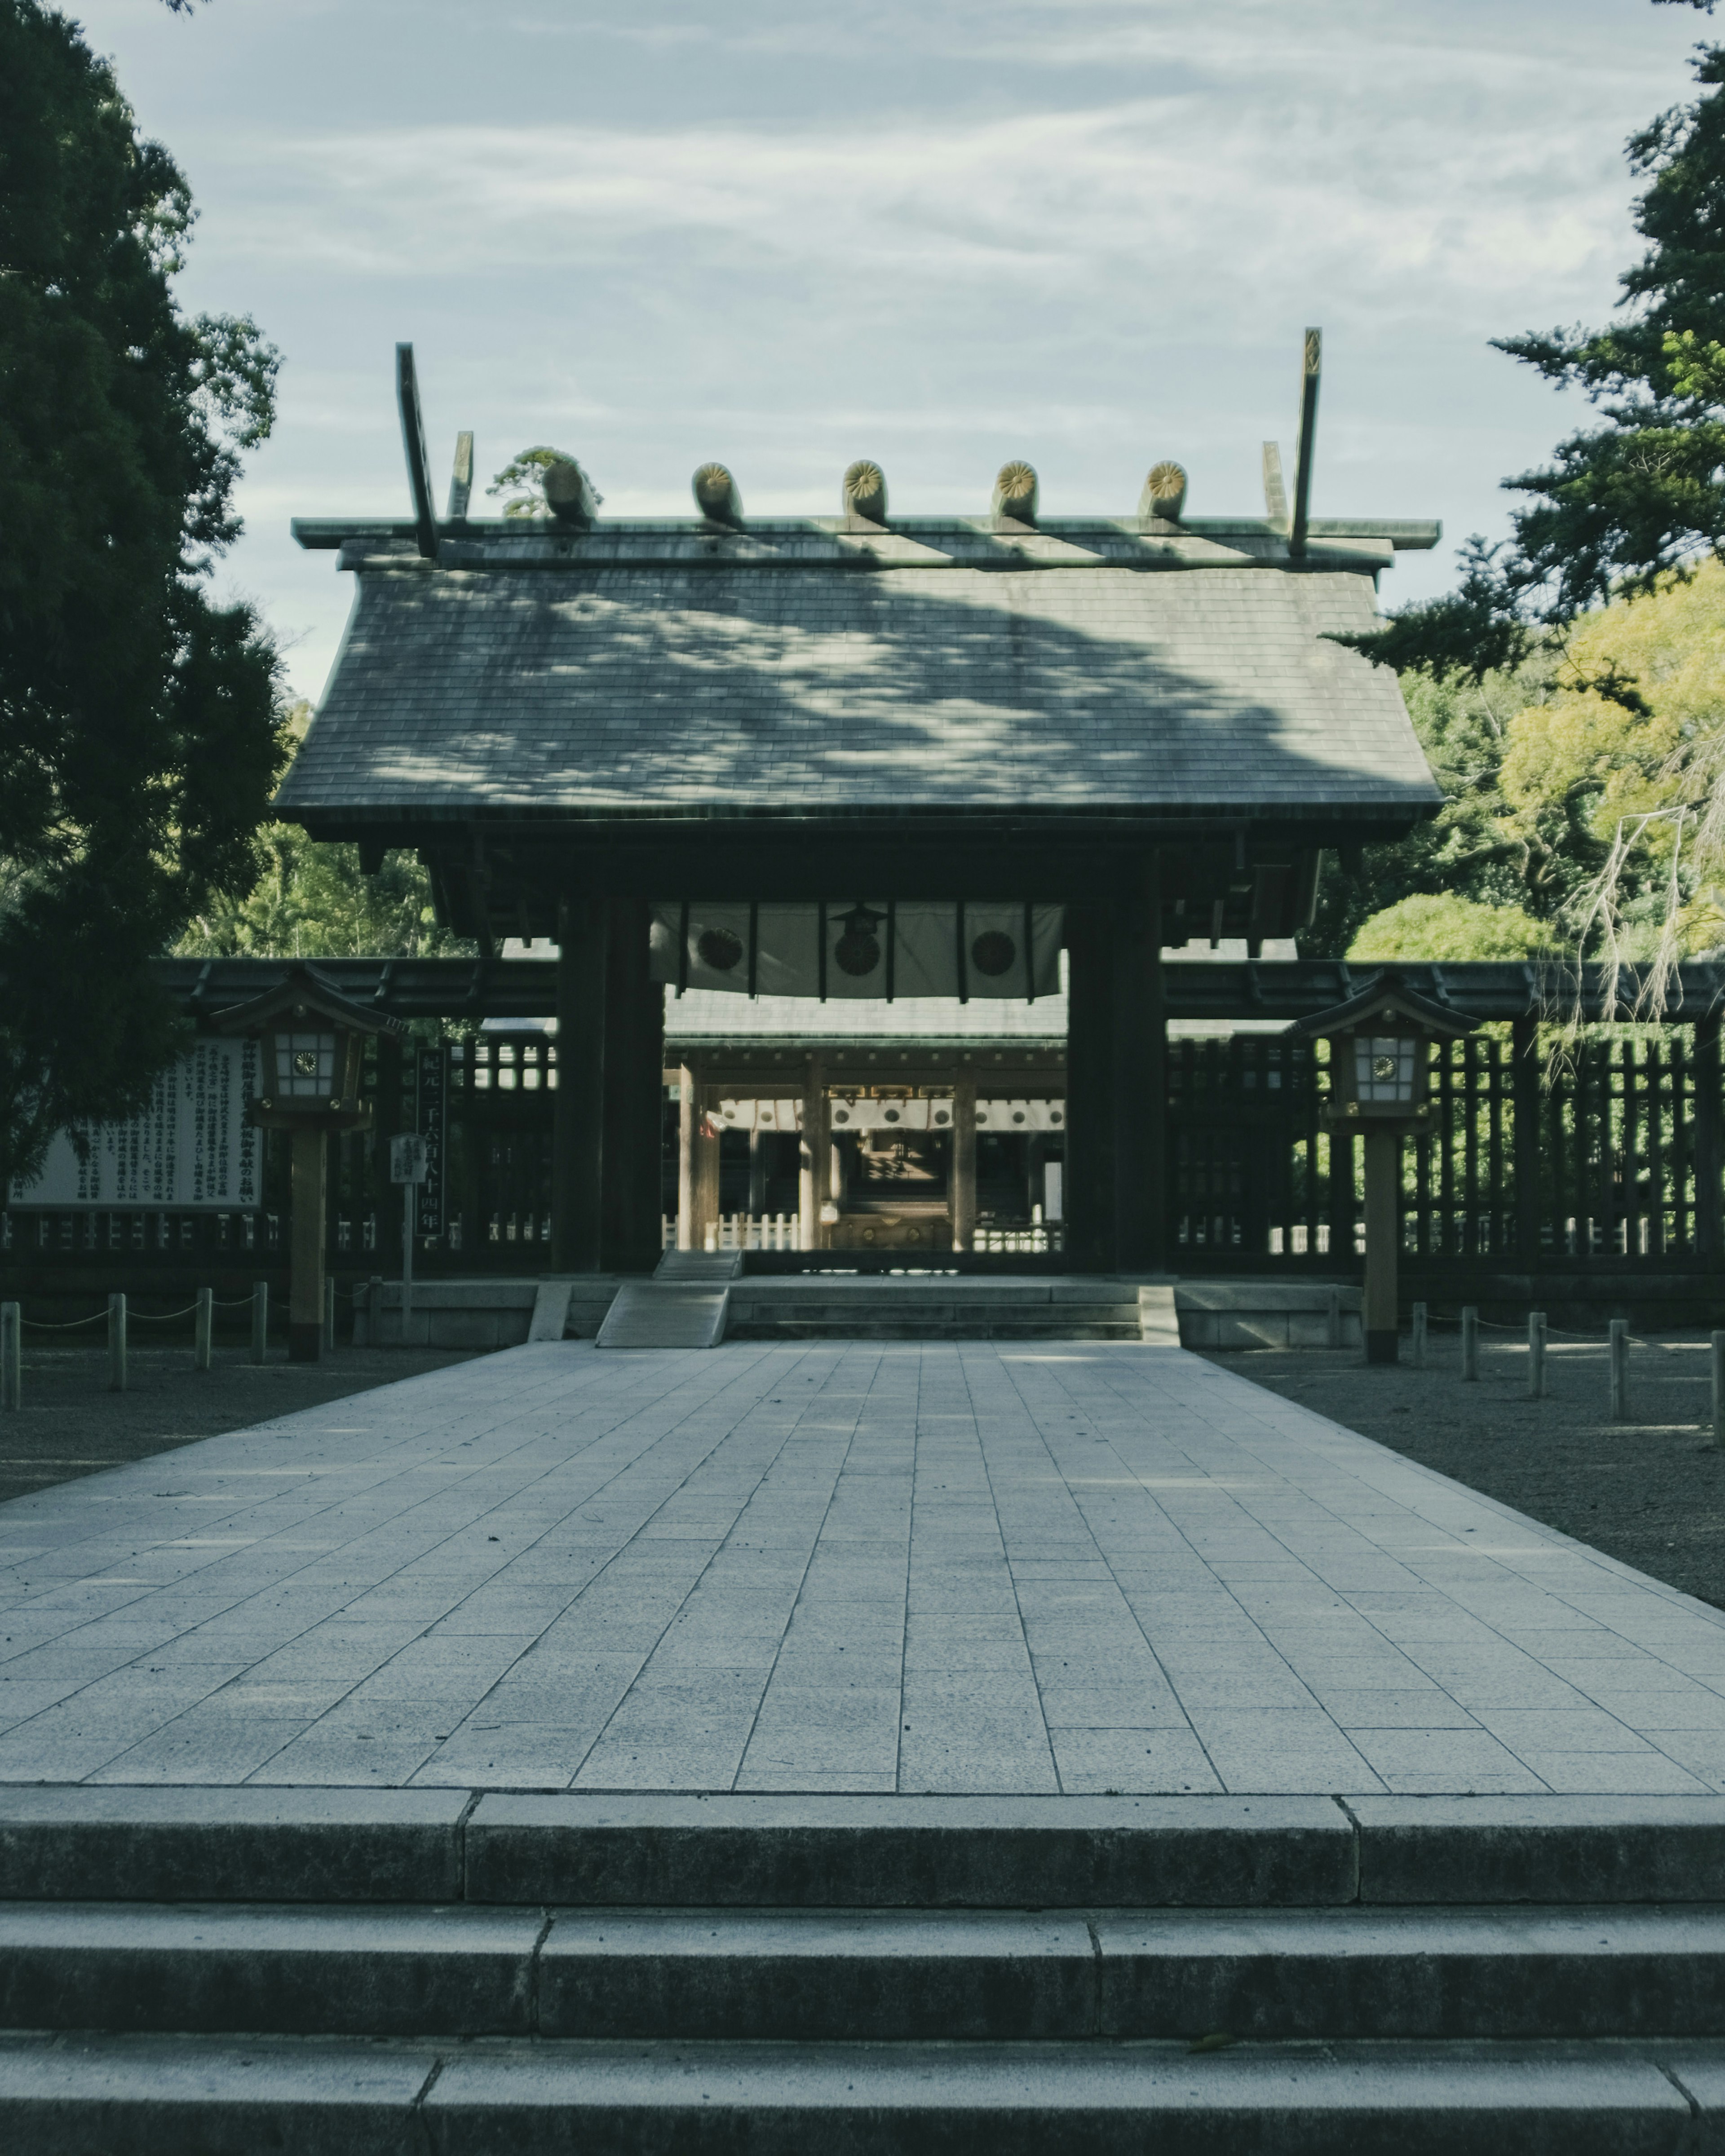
x=407 y=1157
x=193 y=1148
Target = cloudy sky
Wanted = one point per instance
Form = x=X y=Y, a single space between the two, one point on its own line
x=938 y=232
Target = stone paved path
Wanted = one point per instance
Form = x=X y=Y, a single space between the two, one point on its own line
x=834 y=1566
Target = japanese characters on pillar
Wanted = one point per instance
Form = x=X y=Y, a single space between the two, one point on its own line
x=1380 y=1051
x=313 y=1047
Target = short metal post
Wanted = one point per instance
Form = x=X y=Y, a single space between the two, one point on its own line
x=116 y=1343
x=1470 y=1342
x=1719 y=1361
x=374 y=1310
x=1536 y=1354
x=260 y=1321
x=410 y=1191
x=1333 y=1335
x=12 y=1355
x=1418 y=1345
x=203 y=1329
x=1619 y=1369
x=329 y=1317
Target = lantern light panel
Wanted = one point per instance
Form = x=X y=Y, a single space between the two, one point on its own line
x=305 y=1066
x=1383 y=1067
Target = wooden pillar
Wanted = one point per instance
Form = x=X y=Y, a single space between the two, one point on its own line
x=812 y=1142
x=1089 y=1196
x=1140 y=1103
x=1709 y=1150
x=577 y=1145
x=688 y=1124
x=633 y=1079
x=1525 y=1094
x=388 y=1120
x=757 y=1176
x=963 y=1190
x=704 y=1212
x=306 y=1276
x=1377 y=1305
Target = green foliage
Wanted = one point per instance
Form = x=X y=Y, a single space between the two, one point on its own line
x=311 y=901
x=1560 y=775
x=1463 y=726
x=1440 y=926
x=139 y=733
x=522 y=480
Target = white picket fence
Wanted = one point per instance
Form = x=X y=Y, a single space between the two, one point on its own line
x=1018 y=1239
x=778 y=1231
x=739 y=1231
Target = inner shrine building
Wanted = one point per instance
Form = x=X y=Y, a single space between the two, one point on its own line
x=997 y=762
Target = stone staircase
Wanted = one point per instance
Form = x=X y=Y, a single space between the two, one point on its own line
x=952 y=1307
x=335 y=1970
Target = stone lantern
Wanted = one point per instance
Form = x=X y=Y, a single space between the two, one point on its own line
x=313 y=1043
x=1380 y=1050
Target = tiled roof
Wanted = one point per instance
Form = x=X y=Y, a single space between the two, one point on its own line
x=663 y=678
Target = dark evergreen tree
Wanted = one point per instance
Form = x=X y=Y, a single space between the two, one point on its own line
x=139 y=729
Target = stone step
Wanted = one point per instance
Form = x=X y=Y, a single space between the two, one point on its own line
x=854 y=1327
x=938 y=1308
x=84 y=1843
x=883 y=1975
x=231 y=2097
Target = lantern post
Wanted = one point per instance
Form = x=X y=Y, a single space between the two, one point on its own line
x=1380 y=1052
x=309 y=1085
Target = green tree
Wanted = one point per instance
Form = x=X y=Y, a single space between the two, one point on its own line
x=1445 y=928
x=1562 y=796
x=311 y=900
x=139 y=729
x=1464 y=727
x=1629 y=507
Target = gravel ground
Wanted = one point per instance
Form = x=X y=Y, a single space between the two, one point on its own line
x=1649 y=1490
x=71 y=1425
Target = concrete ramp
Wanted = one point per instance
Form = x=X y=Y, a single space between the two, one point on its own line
x=551 y=1311
x=1158 y=1321
x=684 y=1304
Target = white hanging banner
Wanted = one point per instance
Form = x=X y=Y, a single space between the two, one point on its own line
x=867 y=948
x=193 y=1147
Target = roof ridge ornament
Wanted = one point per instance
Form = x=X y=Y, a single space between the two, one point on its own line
x=716 y=496
x=863 y=493
x=1015 y=493
x=570 y=493
x=1276 y=491
x=1164 y=495
x=461 y=478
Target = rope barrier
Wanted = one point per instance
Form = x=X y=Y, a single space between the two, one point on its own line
x=161 y=1316
x=35 y=1325
x=1491 y=1325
